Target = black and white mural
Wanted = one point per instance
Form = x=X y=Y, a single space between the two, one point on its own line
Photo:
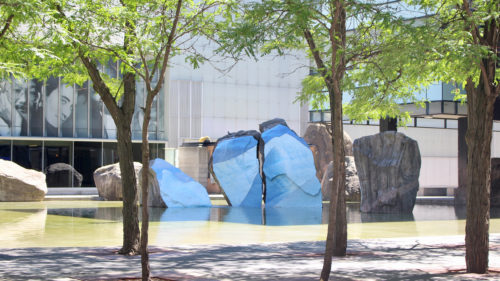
x=52 y=108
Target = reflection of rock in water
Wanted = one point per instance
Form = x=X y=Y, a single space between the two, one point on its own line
x=384 y=217
x=102 y=213
x=23 y=226
x=241 y=215
x=293 y=216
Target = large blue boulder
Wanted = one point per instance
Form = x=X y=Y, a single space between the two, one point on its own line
x=176 y=188
x=290 y=175
x=236 y=168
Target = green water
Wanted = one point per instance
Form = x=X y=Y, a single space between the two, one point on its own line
x=98 y=223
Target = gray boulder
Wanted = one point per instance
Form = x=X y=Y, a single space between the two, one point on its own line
x=388 y=167
x=62 y=175
x=320 y=138
x=108 y=180
x=20 y=184
x=352 y=189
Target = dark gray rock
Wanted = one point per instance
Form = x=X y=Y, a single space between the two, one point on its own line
x=62 y=175
x=18 y=184
x=388 y=167
x=320 y=139
x=352 y=189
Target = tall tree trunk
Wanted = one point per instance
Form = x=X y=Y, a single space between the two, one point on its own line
x=479 y=133
x=130 y=210
x=145 y=191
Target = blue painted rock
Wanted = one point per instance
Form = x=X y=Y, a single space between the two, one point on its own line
x=176 y=188
x=236 y=168
x=290 y=175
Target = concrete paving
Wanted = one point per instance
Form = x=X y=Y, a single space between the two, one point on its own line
x=422 y=258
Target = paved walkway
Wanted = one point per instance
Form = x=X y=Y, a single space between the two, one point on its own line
x=423 y=258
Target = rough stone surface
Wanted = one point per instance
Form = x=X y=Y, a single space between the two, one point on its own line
x=319 y=137
x=352 y=189
x=289 y=171
x=19 y=184
x=175 y=187
x=388 y=167
x=62 y=175
x=235 y=166
x=108 y=180
x=495 y=182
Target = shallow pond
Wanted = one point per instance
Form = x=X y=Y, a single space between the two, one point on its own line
x=98 y=223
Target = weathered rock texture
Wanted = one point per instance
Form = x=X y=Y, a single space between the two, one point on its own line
x=108 y=180
x=319 y=137
x=388 y=167
x=352 y=189
x=20 y=184
x=495 y=182
x=62 y=175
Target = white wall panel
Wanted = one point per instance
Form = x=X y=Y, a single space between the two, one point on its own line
x=439 y=172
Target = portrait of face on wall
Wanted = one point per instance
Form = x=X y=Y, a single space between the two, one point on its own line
x=19 y=100
x=59 y=101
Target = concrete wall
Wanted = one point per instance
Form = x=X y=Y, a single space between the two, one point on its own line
x=206 y=102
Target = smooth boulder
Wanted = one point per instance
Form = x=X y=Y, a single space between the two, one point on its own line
x=175 y=187
x=352 y=188
x=388 y=167
x=320 y=138
x=18 y=184
x=290 y=175
x=62 y=175
x=235 y=166
x=108 y=180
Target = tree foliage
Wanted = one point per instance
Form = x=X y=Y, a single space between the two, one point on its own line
x=357 y=50
x=464 y=50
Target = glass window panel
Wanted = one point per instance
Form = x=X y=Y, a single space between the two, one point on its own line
x=161 y=115
x=87 y=160
x=28 y=154
x=51 y=107
x=138 y=112
x=82 y=111
x=5 y=150
x=57 y=152
x=110 y=153
x=435 y=92
x=137 y=152
x=153 y=121
x=67 y=94
x=161 y=151
x=96 y=108
x=36 y=108
x=109 y=125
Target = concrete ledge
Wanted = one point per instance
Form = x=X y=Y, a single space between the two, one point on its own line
x=436 y=200
x=72 y=191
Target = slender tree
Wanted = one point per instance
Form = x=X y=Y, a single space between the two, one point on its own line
x=465 y=39
x=355 y=49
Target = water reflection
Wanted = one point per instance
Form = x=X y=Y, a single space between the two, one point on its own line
x=269 y=216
